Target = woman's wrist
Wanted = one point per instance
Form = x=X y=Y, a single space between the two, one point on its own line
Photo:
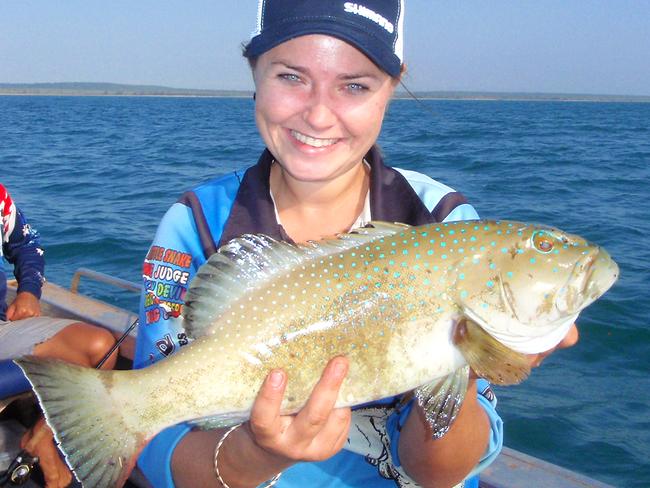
x=242 y=463
x=271 y=482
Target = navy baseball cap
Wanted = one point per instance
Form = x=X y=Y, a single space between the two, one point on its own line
x=375 y=27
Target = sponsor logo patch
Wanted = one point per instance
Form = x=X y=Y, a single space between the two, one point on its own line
x=355 y=8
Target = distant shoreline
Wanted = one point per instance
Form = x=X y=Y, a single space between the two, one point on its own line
x=120 y=90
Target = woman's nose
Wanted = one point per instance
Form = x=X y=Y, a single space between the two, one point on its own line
x=319 y=113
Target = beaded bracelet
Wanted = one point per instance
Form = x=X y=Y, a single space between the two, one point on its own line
x=270 y=483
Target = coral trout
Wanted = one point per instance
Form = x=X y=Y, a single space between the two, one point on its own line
x=412 y=308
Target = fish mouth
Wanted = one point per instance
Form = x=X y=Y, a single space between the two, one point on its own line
x=591 y=277
x=525 y=338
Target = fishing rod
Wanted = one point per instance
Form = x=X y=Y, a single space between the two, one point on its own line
x=21 y=468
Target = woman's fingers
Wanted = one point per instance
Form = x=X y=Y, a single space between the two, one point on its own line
x=335 y=433
x=316 y=413
x=317 y=431
x=265 y=420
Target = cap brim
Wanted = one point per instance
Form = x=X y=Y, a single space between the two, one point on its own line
x=378 y=52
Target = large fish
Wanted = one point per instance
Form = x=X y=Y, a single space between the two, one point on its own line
x=411 y=307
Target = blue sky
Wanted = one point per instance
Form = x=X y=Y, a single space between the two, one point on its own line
x=559 y=46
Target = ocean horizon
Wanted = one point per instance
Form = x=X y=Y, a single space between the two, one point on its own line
x=402 y=92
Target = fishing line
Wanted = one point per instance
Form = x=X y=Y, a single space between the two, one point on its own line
x=421 y=103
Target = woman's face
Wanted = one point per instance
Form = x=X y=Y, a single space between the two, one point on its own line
x=319 y=106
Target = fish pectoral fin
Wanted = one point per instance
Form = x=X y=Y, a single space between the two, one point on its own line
x=488 y=357
x=221 y=421
x=441 y=401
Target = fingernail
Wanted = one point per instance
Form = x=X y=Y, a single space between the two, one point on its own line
x=339 y=369
x=275 y=379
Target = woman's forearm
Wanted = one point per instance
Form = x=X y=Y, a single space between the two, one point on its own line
x=446 y=461
x=242 y=464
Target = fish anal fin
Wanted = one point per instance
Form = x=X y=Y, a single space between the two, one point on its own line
x=221 y=421
x=489 y=358
x=441 y=400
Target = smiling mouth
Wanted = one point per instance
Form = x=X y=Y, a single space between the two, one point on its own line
x=312 y=141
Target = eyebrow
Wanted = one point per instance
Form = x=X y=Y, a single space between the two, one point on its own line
x=355 y=76
x=345 y=76
x=289 y=66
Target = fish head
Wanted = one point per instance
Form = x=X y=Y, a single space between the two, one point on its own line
x=526 y=284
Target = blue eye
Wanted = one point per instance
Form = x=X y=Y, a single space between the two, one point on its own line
x=356 y=87
x=289 y=77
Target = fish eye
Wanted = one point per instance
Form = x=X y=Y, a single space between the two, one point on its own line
x=542 y=242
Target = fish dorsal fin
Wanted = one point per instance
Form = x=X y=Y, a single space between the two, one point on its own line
x=248 y=262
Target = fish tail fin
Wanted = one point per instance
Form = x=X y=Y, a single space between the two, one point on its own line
x=99 y=447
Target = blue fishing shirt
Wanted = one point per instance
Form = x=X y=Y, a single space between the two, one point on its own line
x=239 y=203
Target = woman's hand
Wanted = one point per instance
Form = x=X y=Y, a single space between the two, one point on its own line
x=24 y=306
x=316 y=432
x=570 y=340
x=270 y=442
x=448 y=460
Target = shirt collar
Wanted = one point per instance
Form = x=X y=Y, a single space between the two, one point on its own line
x=391 y=199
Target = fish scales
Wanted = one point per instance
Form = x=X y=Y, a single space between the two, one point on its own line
x=363 y=288
x=389 y=298
x=273 y=326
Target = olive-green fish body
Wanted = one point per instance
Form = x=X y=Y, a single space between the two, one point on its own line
x=409 y=307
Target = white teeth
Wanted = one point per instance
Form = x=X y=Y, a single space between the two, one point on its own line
x=312 y=141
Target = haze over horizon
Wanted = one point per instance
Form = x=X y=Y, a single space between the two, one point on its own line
x=557 y=46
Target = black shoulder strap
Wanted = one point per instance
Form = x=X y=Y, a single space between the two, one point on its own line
x=208 y=244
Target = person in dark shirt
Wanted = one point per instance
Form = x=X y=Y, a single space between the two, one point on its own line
x=24 y=331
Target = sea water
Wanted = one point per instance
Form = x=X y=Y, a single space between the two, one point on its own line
x=95 y=174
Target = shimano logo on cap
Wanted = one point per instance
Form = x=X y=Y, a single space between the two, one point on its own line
x=355 y=8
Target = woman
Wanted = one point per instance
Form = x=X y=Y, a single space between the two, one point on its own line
x=324 y=75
